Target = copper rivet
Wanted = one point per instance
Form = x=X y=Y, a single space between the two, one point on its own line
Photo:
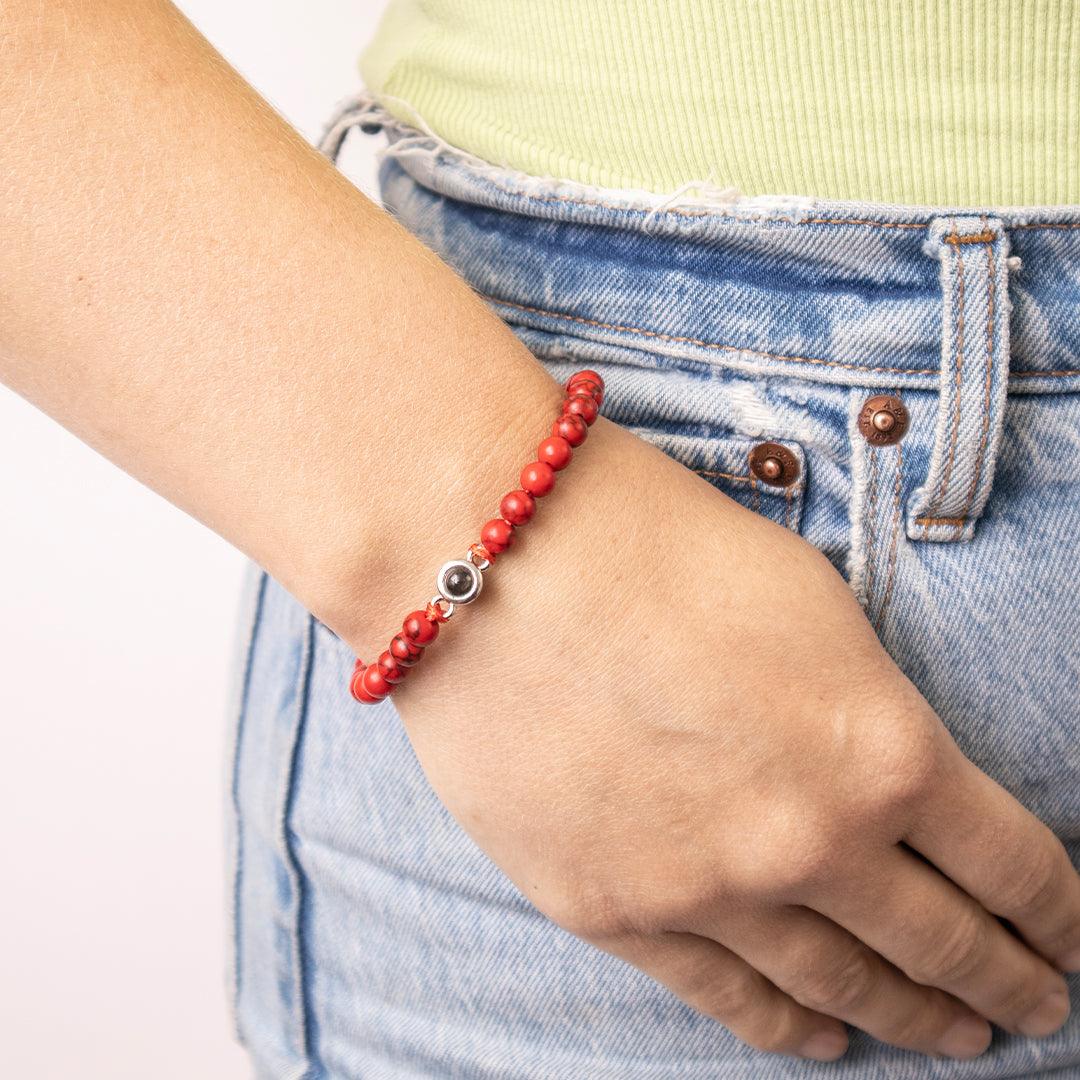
x=771 y=468
x=883 y=420
x=774 y=464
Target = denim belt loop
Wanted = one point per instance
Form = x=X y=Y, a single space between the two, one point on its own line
x=973 y=253
x=358 y=110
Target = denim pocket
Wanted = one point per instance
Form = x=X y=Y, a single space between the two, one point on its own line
x=724 y=460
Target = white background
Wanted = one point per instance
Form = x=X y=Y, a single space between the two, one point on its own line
x=116 y=624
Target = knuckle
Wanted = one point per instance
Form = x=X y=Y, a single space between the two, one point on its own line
x=773 y=1031
x=733 y=999
x=1064 y=939
x=798 y=841
x=922 y=1022
x=1033 y=887
x=795 y=869
x=597 y=915
x=773 y=1038
x=958 y=953
x=1016 y=999
x=910 y=1029
x=605 y=911
x=905 y=769
x=834 y=985
x=740 y=1001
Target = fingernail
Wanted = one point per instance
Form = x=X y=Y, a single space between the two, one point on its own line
x=826 y=1045
x=967 y=1038
x=1047 y=1017
x=1070 y=961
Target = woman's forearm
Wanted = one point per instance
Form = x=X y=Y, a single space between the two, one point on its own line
x=198 y=294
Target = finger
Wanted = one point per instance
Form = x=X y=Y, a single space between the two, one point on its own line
x=974 y=831
x=825 y=968
x=720 y=984
x=939 y=936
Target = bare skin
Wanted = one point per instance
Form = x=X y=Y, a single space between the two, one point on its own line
x=200 y=296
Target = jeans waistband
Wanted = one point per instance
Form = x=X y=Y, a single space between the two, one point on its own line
x=843 y=292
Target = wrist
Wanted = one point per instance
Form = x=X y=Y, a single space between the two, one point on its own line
x=589 y=536
x=382 y=559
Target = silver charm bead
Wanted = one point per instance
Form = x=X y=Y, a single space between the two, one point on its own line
x=459 y=581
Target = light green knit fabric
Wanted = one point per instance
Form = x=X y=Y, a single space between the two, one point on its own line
x=940 y=102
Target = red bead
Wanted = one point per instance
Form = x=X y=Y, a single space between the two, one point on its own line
x=357 y=681
x=538 y=478
x=517 y=507
x=374 y=683
x=592 y=390
x=555 y=451
x=497 y=535
x=588 y=375
x=583 y=405
x=404 y=651
x=571 y=428
x=419 y=629
x=392 y=670
x=357 y=688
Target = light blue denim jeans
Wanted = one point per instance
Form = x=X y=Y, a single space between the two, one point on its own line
x=372 y=938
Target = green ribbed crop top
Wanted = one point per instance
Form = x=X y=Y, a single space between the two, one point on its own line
x=937 y=102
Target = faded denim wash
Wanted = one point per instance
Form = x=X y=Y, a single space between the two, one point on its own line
x=372 y=938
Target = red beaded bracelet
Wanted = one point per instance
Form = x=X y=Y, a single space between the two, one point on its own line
x=460 y=580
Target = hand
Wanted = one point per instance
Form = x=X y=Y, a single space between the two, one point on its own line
x=670 y=724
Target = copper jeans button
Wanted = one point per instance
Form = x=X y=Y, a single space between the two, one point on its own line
x=883 y=420
x=774 y=464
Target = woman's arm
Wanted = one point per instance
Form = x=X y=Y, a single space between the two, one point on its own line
x=198 y=294
x=195 y=292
